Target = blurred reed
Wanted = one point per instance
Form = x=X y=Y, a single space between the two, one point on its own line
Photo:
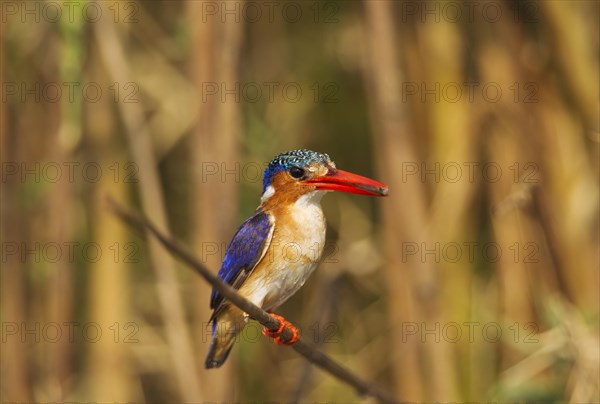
x=362 y=58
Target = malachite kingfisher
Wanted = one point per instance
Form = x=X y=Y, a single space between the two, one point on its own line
x=278 y=247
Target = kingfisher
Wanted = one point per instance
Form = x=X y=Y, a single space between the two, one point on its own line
x=274 y=251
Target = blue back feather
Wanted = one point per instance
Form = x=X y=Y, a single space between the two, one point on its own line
x=243 y=252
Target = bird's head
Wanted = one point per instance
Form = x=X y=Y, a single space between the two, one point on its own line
x=298 y=172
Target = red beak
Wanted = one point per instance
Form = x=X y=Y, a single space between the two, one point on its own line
x=344 y=181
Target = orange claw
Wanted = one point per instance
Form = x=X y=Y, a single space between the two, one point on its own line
x=276 y=335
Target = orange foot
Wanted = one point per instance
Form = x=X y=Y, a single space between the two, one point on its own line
x=276 y=335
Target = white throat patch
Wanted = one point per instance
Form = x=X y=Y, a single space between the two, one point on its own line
x=269 y=192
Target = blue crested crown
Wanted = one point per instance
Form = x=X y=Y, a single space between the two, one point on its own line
x=294 y=158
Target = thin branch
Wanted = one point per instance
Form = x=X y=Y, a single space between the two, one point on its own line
x=316 y=357
x=327 y=295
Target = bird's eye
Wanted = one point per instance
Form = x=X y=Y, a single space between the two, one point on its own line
x=297 y=172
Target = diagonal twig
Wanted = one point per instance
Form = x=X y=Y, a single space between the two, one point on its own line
x=316 y=357
x=326 y=299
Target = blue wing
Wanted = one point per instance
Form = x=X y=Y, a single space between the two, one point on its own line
x=245 y=251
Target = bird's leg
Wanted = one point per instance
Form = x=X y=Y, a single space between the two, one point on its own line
x=276 y=334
